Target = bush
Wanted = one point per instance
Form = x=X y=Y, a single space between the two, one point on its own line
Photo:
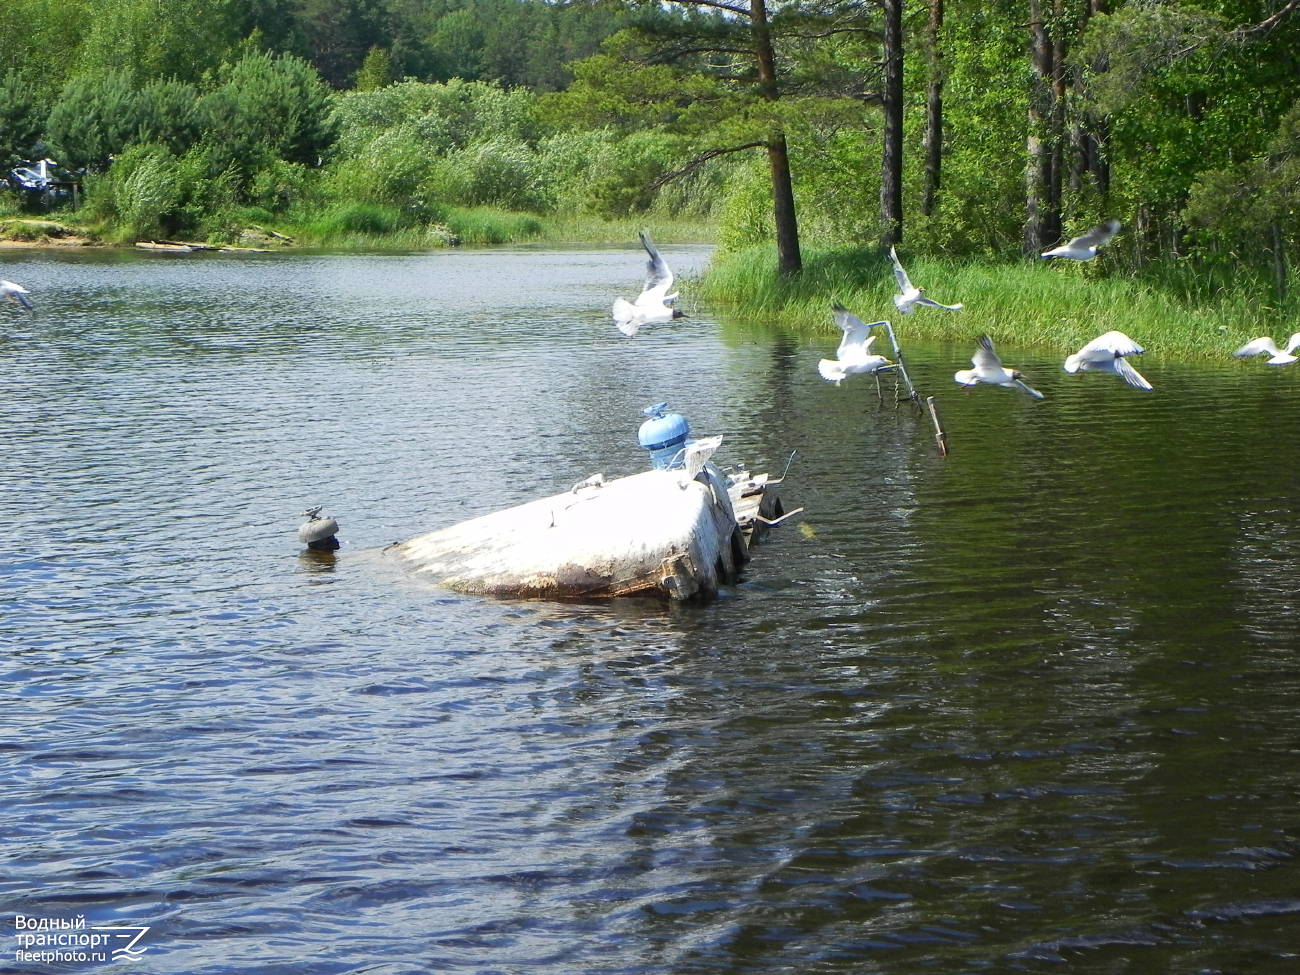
x=21 y=120
x=144 y=186
x=95 y=118
x=267 y=108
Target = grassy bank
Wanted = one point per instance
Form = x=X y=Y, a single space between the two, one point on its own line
x=365 y=226
x=1057 y=306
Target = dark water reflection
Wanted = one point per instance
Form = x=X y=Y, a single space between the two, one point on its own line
x=1028 y=706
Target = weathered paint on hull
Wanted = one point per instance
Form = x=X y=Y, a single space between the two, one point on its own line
x=651 y=533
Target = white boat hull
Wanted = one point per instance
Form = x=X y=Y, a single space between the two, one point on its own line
x=651 y=533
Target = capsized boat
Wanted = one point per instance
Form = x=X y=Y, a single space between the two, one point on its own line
x=671 y=531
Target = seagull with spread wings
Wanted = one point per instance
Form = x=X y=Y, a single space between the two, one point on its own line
x=1106 y=353
x=854 y=354
x=912 y=295
x=989 y=369
x=16 y=293
x=1265 y=346
x=1084 y=247
x=654 y=303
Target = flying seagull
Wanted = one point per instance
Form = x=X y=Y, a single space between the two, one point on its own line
x=16 y=293
x=911 y=295
x=989 y=369
x=1265 y=346
x=1085 y=248
x=1106 y=354
x=654 y=303
x=853 y=355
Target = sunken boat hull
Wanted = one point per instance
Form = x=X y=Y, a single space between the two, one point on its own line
x=653 y=533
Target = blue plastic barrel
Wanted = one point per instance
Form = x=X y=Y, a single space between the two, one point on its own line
x=664 y=435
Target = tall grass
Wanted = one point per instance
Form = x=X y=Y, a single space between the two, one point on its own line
x=1057 y=306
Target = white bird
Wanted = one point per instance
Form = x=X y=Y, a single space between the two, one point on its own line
x=1262 y=346
x=912 y=295
x=989 y=369
x=653 y=304
x=16 y=293
x=697 y=455
x=1084 y=248
x=1106 y=354
x=854 y=354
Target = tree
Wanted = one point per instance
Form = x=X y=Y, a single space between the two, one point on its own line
x=21 y=119
x=267 y=107
x=376 y=71
x=891 y=143
x=94 y=119
x=933 y=109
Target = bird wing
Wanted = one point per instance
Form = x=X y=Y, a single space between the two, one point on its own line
x=831 y=370
x=658 y=277
x=923 y=300
x=1293 y=343
x=1257 y=346
x=1109 y=345
x=698 y=454
x=17 y=292
x=1131 y=375
x=1027 y=388
x=856 y=331
x=985 y=357
x=1097 y=236
x=904 y=282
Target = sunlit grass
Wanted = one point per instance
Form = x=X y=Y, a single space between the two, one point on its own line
x=1045 y=305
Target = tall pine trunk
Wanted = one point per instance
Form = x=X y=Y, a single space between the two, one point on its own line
x=1056 y=133
x=1098 y=132
x=933 y=110
x=891 y=163
x=788 y=258
x=1037 y=146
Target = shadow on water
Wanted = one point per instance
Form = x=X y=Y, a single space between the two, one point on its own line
x=1033 y=704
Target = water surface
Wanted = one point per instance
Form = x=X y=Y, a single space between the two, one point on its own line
x=1032 y=707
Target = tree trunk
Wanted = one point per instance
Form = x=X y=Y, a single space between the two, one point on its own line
x=1038 y=171
x=933 y=110
x=1056 y=180
x=1279 y=261
x=788 y=259
x=1098 y=133
x=891 y=163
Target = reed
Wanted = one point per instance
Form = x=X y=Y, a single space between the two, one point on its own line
x=1060 y=306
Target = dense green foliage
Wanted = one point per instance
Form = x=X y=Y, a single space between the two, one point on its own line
x=431 y=120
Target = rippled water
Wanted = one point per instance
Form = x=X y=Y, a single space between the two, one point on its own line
x=1032 y=707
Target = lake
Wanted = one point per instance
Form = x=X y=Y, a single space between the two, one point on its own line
x=1032 y=707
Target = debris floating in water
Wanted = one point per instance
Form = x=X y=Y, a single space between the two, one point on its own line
x=319 y=533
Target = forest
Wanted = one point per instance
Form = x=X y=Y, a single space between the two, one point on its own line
x=803 y=130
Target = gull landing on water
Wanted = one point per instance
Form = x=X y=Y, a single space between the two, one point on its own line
x=1084 y=248
x=653 y=304
x=989 y=369
x=911 y=295
x=1106 y=354
x=1265 y=346
x=16 y=293
x=854 y=355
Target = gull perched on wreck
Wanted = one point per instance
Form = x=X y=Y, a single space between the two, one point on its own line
x=989 y=369
x=697 y=455
x=1265 y=346
x=16 y=293
x=1106 y=354
x=912 y=295
x=1084 y=248
x=854 y=355
x=654 y=302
